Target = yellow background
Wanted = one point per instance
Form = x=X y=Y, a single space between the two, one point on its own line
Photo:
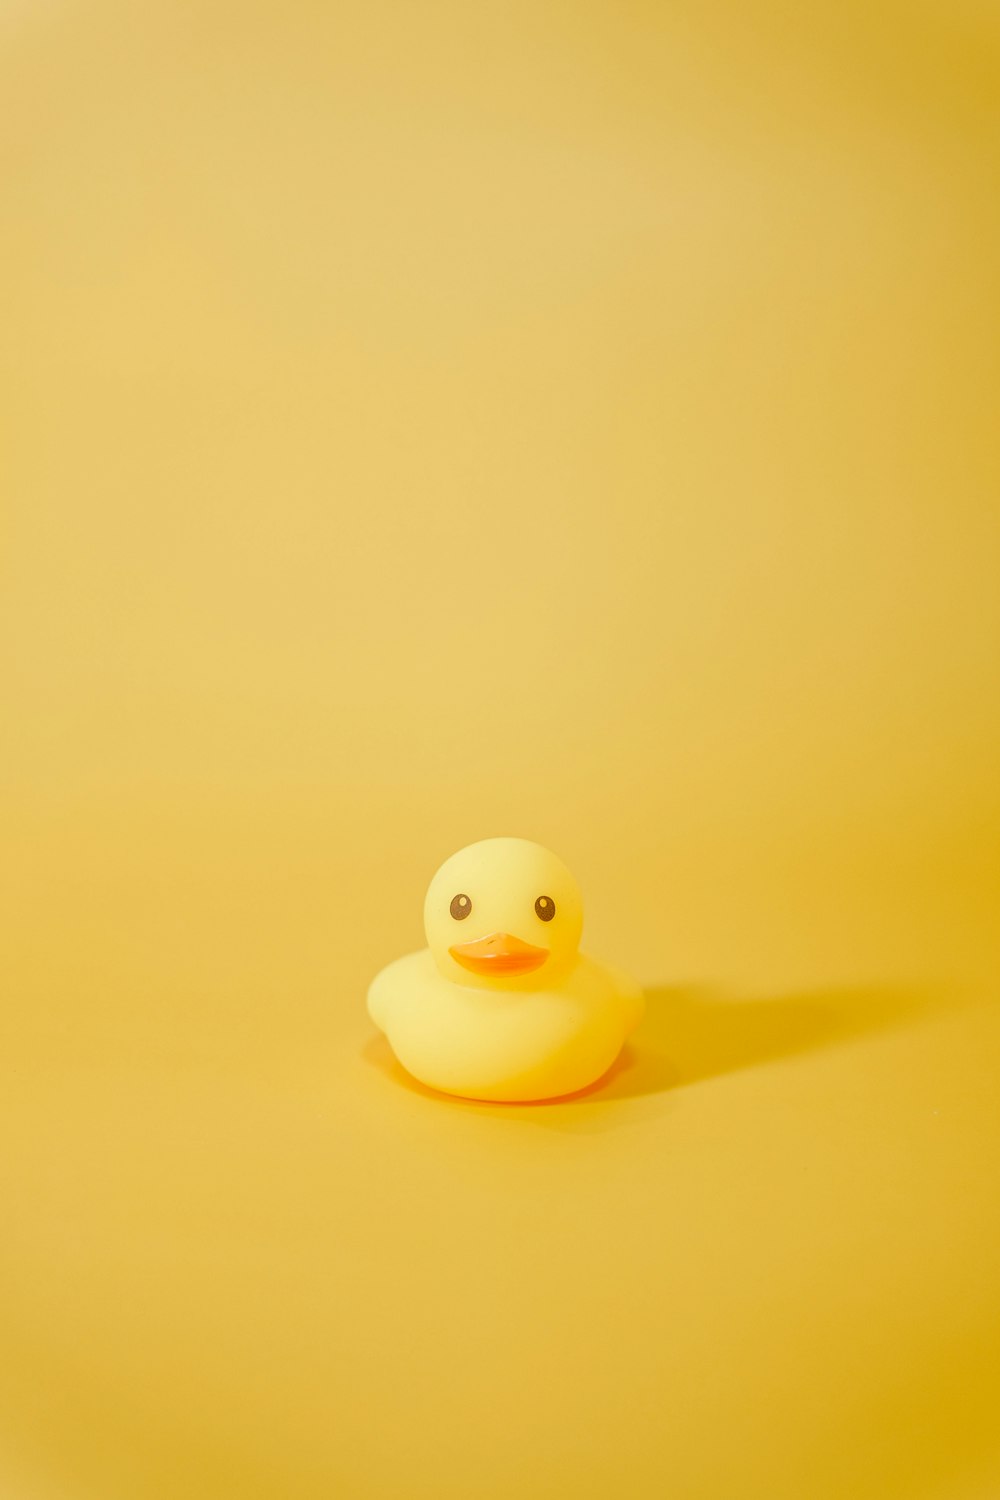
x=427 y=421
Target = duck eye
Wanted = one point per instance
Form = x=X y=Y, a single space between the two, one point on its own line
x=460 y=907
x=545 y=908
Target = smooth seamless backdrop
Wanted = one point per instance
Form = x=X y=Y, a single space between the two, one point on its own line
x=421 y=422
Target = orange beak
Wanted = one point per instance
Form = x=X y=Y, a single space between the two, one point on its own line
x=500 y=953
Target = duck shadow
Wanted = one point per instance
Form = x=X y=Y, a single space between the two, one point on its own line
x=689 y=1036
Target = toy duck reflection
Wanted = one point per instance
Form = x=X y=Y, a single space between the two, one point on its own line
x=502 y=1005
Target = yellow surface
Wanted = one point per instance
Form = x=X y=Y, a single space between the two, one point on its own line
x=423 y=422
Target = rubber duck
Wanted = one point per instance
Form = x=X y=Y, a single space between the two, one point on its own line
x=501 y=1004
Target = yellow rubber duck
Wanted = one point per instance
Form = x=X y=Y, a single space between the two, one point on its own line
x=501 y=1005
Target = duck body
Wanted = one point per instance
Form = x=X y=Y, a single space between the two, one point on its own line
x=504 y=1045
x=501 y=1004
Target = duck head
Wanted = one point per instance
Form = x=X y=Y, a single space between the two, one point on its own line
x=503 y=914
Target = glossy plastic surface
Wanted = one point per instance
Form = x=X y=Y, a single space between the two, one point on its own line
x=502 y=1005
